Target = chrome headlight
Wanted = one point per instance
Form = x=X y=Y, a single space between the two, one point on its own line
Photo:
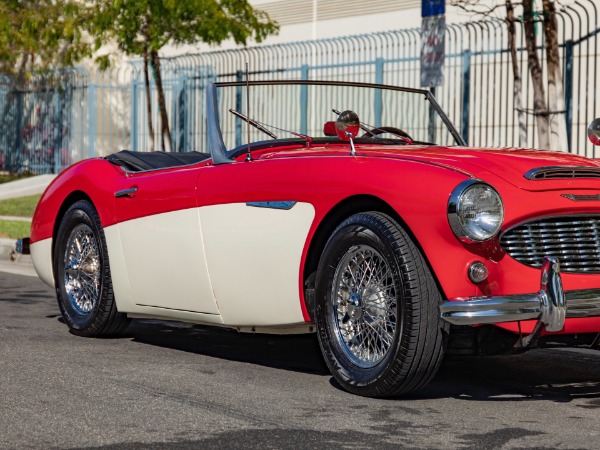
x=475 y=211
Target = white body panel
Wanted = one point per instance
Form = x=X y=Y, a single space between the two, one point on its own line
x=41 y=256
x=253 y=257
x=163 y=258
x=118 y=270
x=126 y=301
x=182 y=265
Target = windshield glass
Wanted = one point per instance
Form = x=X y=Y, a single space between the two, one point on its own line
x=306 y=108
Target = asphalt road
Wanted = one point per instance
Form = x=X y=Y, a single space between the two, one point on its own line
x=171 y=385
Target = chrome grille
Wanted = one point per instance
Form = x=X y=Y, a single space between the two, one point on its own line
x=575 y=241
x=559 y=172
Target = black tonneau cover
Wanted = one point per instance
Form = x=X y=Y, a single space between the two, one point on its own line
x=139 y=161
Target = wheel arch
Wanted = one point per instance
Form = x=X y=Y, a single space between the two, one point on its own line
x=344 y=209
x=71 y=199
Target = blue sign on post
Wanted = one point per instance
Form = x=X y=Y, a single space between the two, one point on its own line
x=433 y=7
x=433 y=32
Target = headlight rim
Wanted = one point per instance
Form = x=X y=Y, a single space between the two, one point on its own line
x=453 y=211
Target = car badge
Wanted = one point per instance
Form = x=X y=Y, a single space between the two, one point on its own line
x=582 y=198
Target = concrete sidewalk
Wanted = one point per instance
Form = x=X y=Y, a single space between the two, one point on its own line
x=10 y=260
x=26 y=186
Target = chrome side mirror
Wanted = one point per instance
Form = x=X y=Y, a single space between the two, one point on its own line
x=347 y=126
x=593 y=132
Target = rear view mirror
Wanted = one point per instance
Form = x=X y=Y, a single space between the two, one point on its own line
x=593 y=131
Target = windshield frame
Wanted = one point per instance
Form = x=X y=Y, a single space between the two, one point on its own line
x=221 y=155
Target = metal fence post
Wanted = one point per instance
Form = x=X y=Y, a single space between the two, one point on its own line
x=239 y=76
x=92 y=118
x=304 y=100
x=177 y=114
x=466 y=94
x=378 y=100
x=134 y=120
x=569 y=91
x=17 y=161
x=58 y=129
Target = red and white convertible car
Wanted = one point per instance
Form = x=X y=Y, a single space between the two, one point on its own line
x=374 y=226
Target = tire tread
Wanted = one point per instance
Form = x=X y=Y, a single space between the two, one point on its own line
x=421 y=347
x=107 y=320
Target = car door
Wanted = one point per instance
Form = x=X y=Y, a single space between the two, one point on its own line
x=161 y=241
x=255 y=230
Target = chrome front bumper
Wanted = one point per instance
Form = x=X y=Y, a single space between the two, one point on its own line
x=550 y=306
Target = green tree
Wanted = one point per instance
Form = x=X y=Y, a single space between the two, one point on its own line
x=144 y=27
x=36 y=37
x=40 y=35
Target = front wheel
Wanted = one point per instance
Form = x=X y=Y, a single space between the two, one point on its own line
x=82 y=275
x=377 y=309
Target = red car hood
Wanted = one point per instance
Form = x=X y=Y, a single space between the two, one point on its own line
x=511 y=164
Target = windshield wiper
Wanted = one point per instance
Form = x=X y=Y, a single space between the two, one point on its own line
x=254 y=123
x=263 y=127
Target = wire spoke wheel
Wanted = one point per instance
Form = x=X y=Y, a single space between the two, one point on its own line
x=82 y=269
x=365 y=312
x=377 y=308
x=82 y=275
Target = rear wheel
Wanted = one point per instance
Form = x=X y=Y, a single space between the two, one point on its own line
x=82 y=275
x=377 y=309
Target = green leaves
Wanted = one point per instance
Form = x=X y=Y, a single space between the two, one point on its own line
x=143 y=27
x=39 y=35
x=148 y=25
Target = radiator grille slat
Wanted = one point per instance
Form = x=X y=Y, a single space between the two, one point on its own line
x=575 y=241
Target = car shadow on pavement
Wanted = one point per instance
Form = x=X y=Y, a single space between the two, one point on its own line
x=557 y=375
x=297 y=353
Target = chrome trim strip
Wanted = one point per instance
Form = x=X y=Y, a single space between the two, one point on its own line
x=551 y=305
x=286 y=205
x=539 y=173
x=582 y=198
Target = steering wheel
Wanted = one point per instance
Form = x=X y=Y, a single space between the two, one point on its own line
x=392 y=130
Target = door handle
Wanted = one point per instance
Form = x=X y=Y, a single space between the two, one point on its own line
x=129 y=193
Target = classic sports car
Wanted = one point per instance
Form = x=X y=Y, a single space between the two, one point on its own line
x=393 y=241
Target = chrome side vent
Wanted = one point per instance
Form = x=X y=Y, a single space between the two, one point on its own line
x=559 y=172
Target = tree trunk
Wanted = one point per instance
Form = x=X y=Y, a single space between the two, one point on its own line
x=556 y=95
x=164 y=119
x=517 y=83
x=148 y=101
x=535 y=70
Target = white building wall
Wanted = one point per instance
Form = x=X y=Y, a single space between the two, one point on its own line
x=302 y=20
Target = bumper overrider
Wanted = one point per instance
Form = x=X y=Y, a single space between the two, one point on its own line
x=550 y=306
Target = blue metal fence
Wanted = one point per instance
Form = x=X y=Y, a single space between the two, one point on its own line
x=53 y=121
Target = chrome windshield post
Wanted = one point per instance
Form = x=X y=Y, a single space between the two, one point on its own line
x=215 y=138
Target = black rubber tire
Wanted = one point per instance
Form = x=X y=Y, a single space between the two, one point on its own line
x=417 y=348
x=103 y=320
